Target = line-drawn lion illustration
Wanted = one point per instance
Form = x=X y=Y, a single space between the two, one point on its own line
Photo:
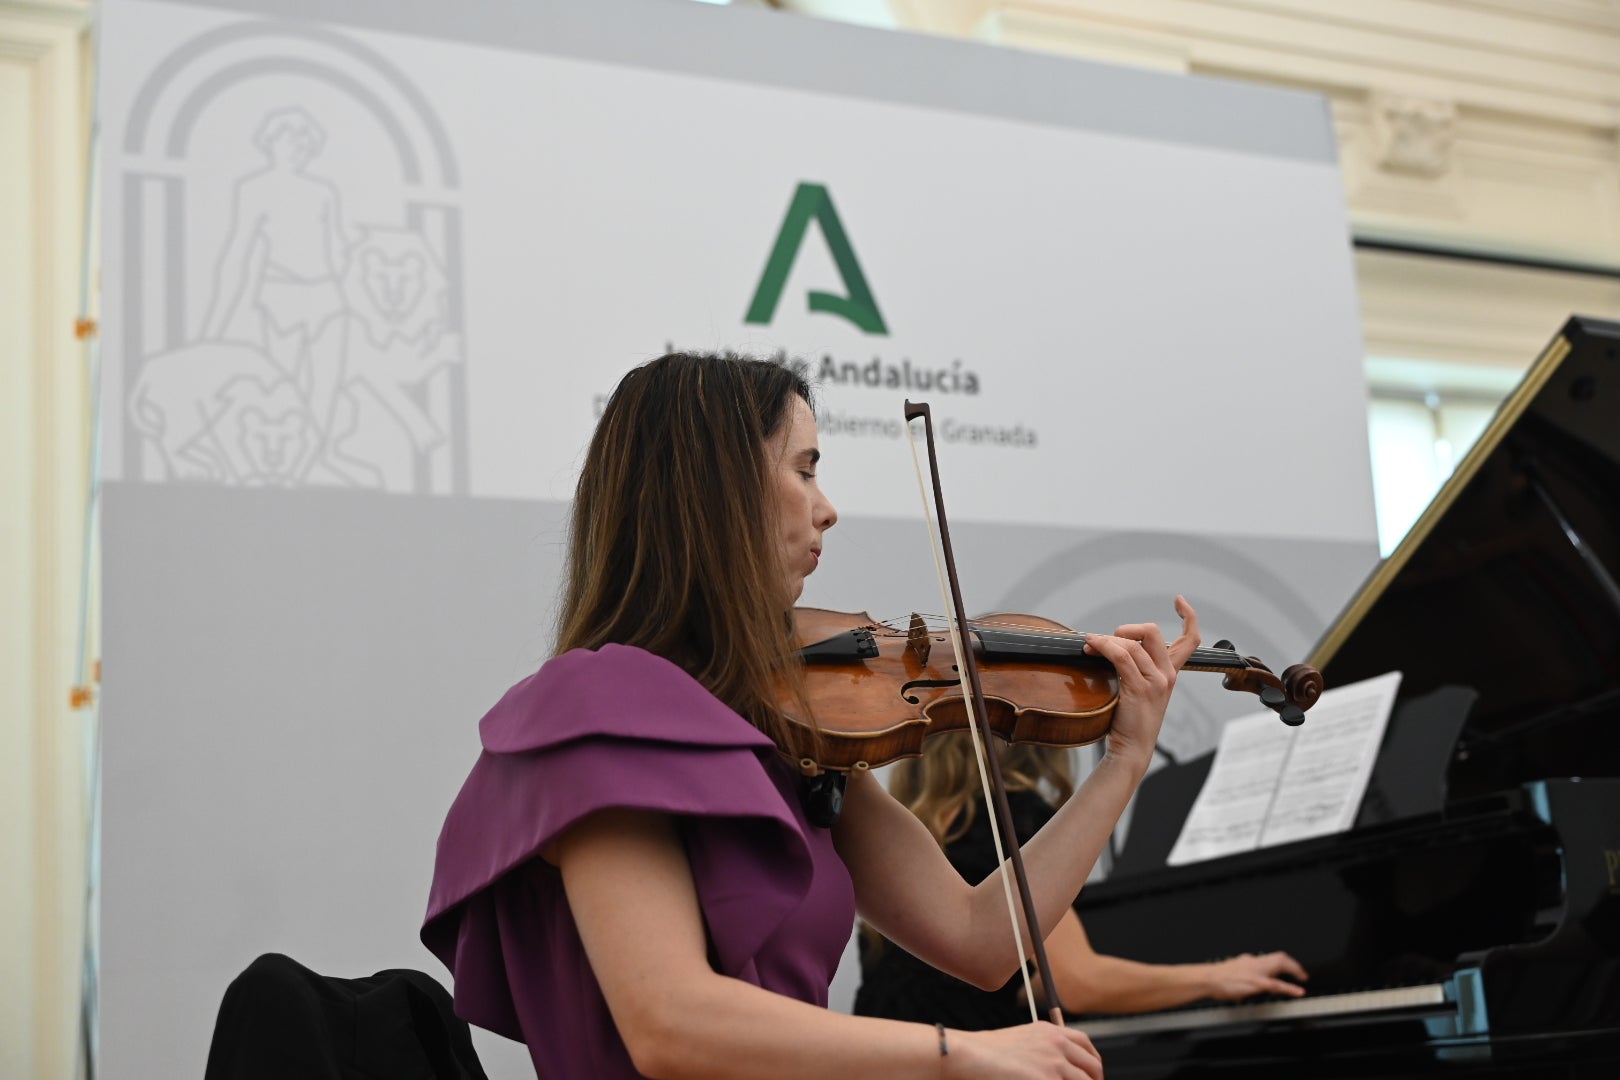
x=221 y=411
x=398 y=297
x=226 y=412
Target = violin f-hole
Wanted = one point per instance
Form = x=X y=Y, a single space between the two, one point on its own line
x=925 y=684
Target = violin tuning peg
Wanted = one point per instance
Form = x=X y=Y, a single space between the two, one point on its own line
x=1226 y=645
x=1277 y=701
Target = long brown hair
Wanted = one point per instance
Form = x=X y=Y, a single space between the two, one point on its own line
x=942 y=786
x=672 y=547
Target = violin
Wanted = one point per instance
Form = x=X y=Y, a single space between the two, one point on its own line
x=879 y=690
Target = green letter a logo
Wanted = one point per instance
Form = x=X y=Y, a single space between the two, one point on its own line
x=811 y=202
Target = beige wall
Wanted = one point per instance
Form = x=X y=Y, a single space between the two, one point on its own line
x=44 y=441
x=1485 y=125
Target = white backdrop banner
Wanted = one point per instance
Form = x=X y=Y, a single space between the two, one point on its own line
x=371 y=270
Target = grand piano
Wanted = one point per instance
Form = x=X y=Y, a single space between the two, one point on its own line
x=1469 y=925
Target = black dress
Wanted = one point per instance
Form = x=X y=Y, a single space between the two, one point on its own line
x=897 y=986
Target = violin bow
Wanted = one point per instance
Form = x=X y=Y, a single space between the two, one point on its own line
x=995 y=789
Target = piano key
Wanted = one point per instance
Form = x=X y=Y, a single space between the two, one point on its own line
x=1424 y=999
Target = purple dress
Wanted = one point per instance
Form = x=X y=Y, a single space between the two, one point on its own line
x=620 y=727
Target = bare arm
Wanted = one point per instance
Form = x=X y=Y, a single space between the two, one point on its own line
x=232 y=275
x=332 y=230
x=906 y=888
x=1091 y=982
x=630 y=888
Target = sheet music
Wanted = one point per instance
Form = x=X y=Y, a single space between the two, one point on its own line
x=1231 y=807
x=1271 y=784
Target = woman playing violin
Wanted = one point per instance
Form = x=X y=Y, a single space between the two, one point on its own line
x=628 y=881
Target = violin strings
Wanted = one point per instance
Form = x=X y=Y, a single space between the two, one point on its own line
x=1057 y=641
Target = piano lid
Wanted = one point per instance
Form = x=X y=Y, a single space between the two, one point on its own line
x=1507 y=583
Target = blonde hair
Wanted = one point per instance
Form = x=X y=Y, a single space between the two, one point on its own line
x=942 y=786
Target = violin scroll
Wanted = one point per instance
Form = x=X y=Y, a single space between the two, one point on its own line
x=1289 y=697
x=1303 y=684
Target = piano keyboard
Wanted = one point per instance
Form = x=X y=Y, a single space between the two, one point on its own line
x=1421 y=999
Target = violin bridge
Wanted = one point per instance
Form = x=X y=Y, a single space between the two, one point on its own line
x=917 y=642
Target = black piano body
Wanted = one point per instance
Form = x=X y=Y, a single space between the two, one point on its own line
x=1470 y=923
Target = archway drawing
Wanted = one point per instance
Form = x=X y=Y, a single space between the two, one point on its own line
x=292 y=313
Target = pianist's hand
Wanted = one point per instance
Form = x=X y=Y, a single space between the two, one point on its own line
x=1147 y=668
x=1246 y=975
x=1039 y=1051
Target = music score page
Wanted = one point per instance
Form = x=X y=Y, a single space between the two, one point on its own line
x=1271 y=784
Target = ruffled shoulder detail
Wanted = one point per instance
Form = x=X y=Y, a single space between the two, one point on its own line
x=617 y=691
x=592 y=730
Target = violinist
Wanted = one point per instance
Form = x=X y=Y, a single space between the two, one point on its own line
x=942 y=789
x=628 y=881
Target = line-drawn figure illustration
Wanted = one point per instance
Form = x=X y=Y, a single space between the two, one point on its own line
x=327 y=352
x=284 y=257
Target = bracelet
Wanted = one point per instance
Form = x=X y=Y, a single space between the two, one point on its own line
x=943 y=1049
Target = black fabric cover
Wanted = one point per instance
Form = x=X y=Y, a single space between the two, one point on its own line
x=281 y=1020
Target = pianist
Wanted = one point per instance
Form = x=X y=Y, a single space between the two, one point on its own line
x=942 y=789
